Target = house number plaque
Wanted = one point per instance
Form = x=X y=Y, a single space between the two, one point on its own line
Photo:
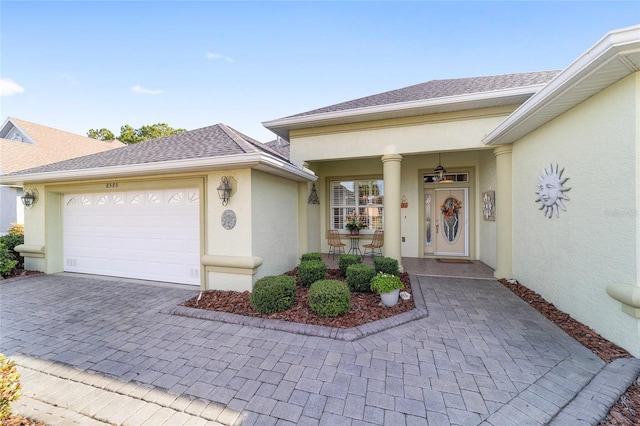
x=112 y=185
x=228 y=219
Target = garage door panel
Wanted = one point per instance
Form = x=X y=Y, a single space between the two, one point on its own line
x=151 y=235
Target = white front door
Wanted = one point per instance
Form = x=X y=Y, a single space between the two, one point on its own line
x=152 y=234
x=446 y=222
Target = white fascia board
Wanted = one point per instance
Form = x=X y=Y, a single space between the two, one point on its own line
x=611 y=45
x=263 y=161
x=334 y=117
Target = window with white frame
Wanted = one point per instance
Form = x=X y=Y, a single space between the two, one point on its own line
x=362 y=197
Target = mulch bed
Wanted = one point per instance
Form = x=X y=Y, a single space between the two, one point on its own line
x=626 y=411
x=15 y=420
x=365 y=307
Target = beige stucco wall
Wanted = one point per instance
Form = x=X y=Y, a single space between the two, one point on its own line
x=274 y=217
x=571 y=259
x=438 y=132
x=34 y=231
x=486 y=228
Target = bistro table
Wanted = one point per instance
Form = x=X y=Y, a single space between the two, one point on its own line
x=355 y=243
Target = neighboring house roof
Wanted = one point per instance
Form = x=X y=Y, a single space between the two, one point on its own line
x=435 y=96
x=36 y=145
x=280 y=145
x=214 y=147
x=612 y=58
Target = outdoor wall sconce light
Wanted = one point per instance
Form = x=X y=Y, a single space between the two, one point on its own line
x=29 y=198
x=224 y=190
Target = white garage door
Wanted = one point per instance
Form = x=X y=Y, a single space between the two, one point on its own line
x=152 y=235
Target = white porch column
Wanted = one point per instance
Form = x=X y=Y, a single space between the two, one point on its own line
x=504 y=206
x=303 y=218
x=391 y=168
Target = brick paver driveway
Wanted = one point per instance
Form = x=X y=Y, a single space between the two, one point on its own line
x=481 y=355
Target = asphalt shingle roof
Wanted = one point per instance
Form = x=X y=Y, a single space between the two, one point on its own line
x=212 y=141
x=50 y=146
x=281 y=146
x=439 y=89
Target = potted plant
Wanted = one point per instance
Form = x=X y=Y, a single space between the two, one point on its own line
x=388 y=286
x=354 y=224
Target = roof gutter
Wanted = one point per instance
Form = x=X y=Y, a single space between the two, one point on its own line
x=615 y=43
x=282 y=126
x=264 y=162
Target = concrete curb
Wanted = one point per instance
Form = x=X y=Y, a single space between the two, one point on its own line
x=594 y=401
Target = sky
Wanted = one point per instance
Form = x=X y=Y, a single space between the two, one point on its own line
x=91 y=64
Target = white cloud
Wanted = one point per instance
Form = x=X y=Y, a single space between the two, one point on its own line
x=9 y=87
x=141 y=90
x=211 y=55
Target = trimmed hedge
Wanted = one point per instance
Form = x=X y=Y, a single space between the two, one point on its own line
x=7 y=262
x=346 y=260
x=10 y=241
x=359 y=277
x=329 y=298
x=311 y=271
x=310 y=256
x=386 y=265
x=273 y=294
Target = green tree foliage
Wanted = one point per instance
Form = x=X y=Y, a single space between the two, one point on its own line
x=129 y=135
x=101 y=134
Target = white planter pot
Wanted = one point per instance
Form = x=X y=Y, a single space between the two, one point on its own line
x=390 y=299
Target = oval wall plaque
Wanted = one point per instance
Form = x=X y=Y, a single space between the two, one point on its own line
x=228 y=219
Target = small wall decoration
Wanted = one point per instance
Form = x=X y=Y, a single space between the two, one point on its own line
x=488 y=205
x=551 y=191
x=313 y=196
x=404 y=203
x=228 y=219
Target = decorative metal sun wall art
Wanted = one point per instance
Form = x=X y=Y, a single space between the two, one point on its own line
x=551 y=191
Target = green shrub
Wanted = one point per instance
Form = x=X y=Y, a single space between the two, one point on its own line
x=329 y=298
x=359 y=277
x=310 y=256
x=10 y=241
x=312 y=271
x=9 y=385
x=273 y=294
x=386 y=265
x=346 y=260
x=7 y=262
x=385 y=283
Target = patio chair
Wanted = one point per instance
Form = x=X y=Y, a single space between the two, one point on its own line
x=336 y=246
x=375 y=247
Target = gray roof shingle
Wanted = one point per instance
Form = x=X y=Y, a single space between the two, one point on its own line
x=280 y=145
x=212 y=141
x=439 y=89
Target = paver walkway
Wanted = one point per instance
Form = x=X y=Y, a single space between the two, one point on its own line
x=109 y=350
